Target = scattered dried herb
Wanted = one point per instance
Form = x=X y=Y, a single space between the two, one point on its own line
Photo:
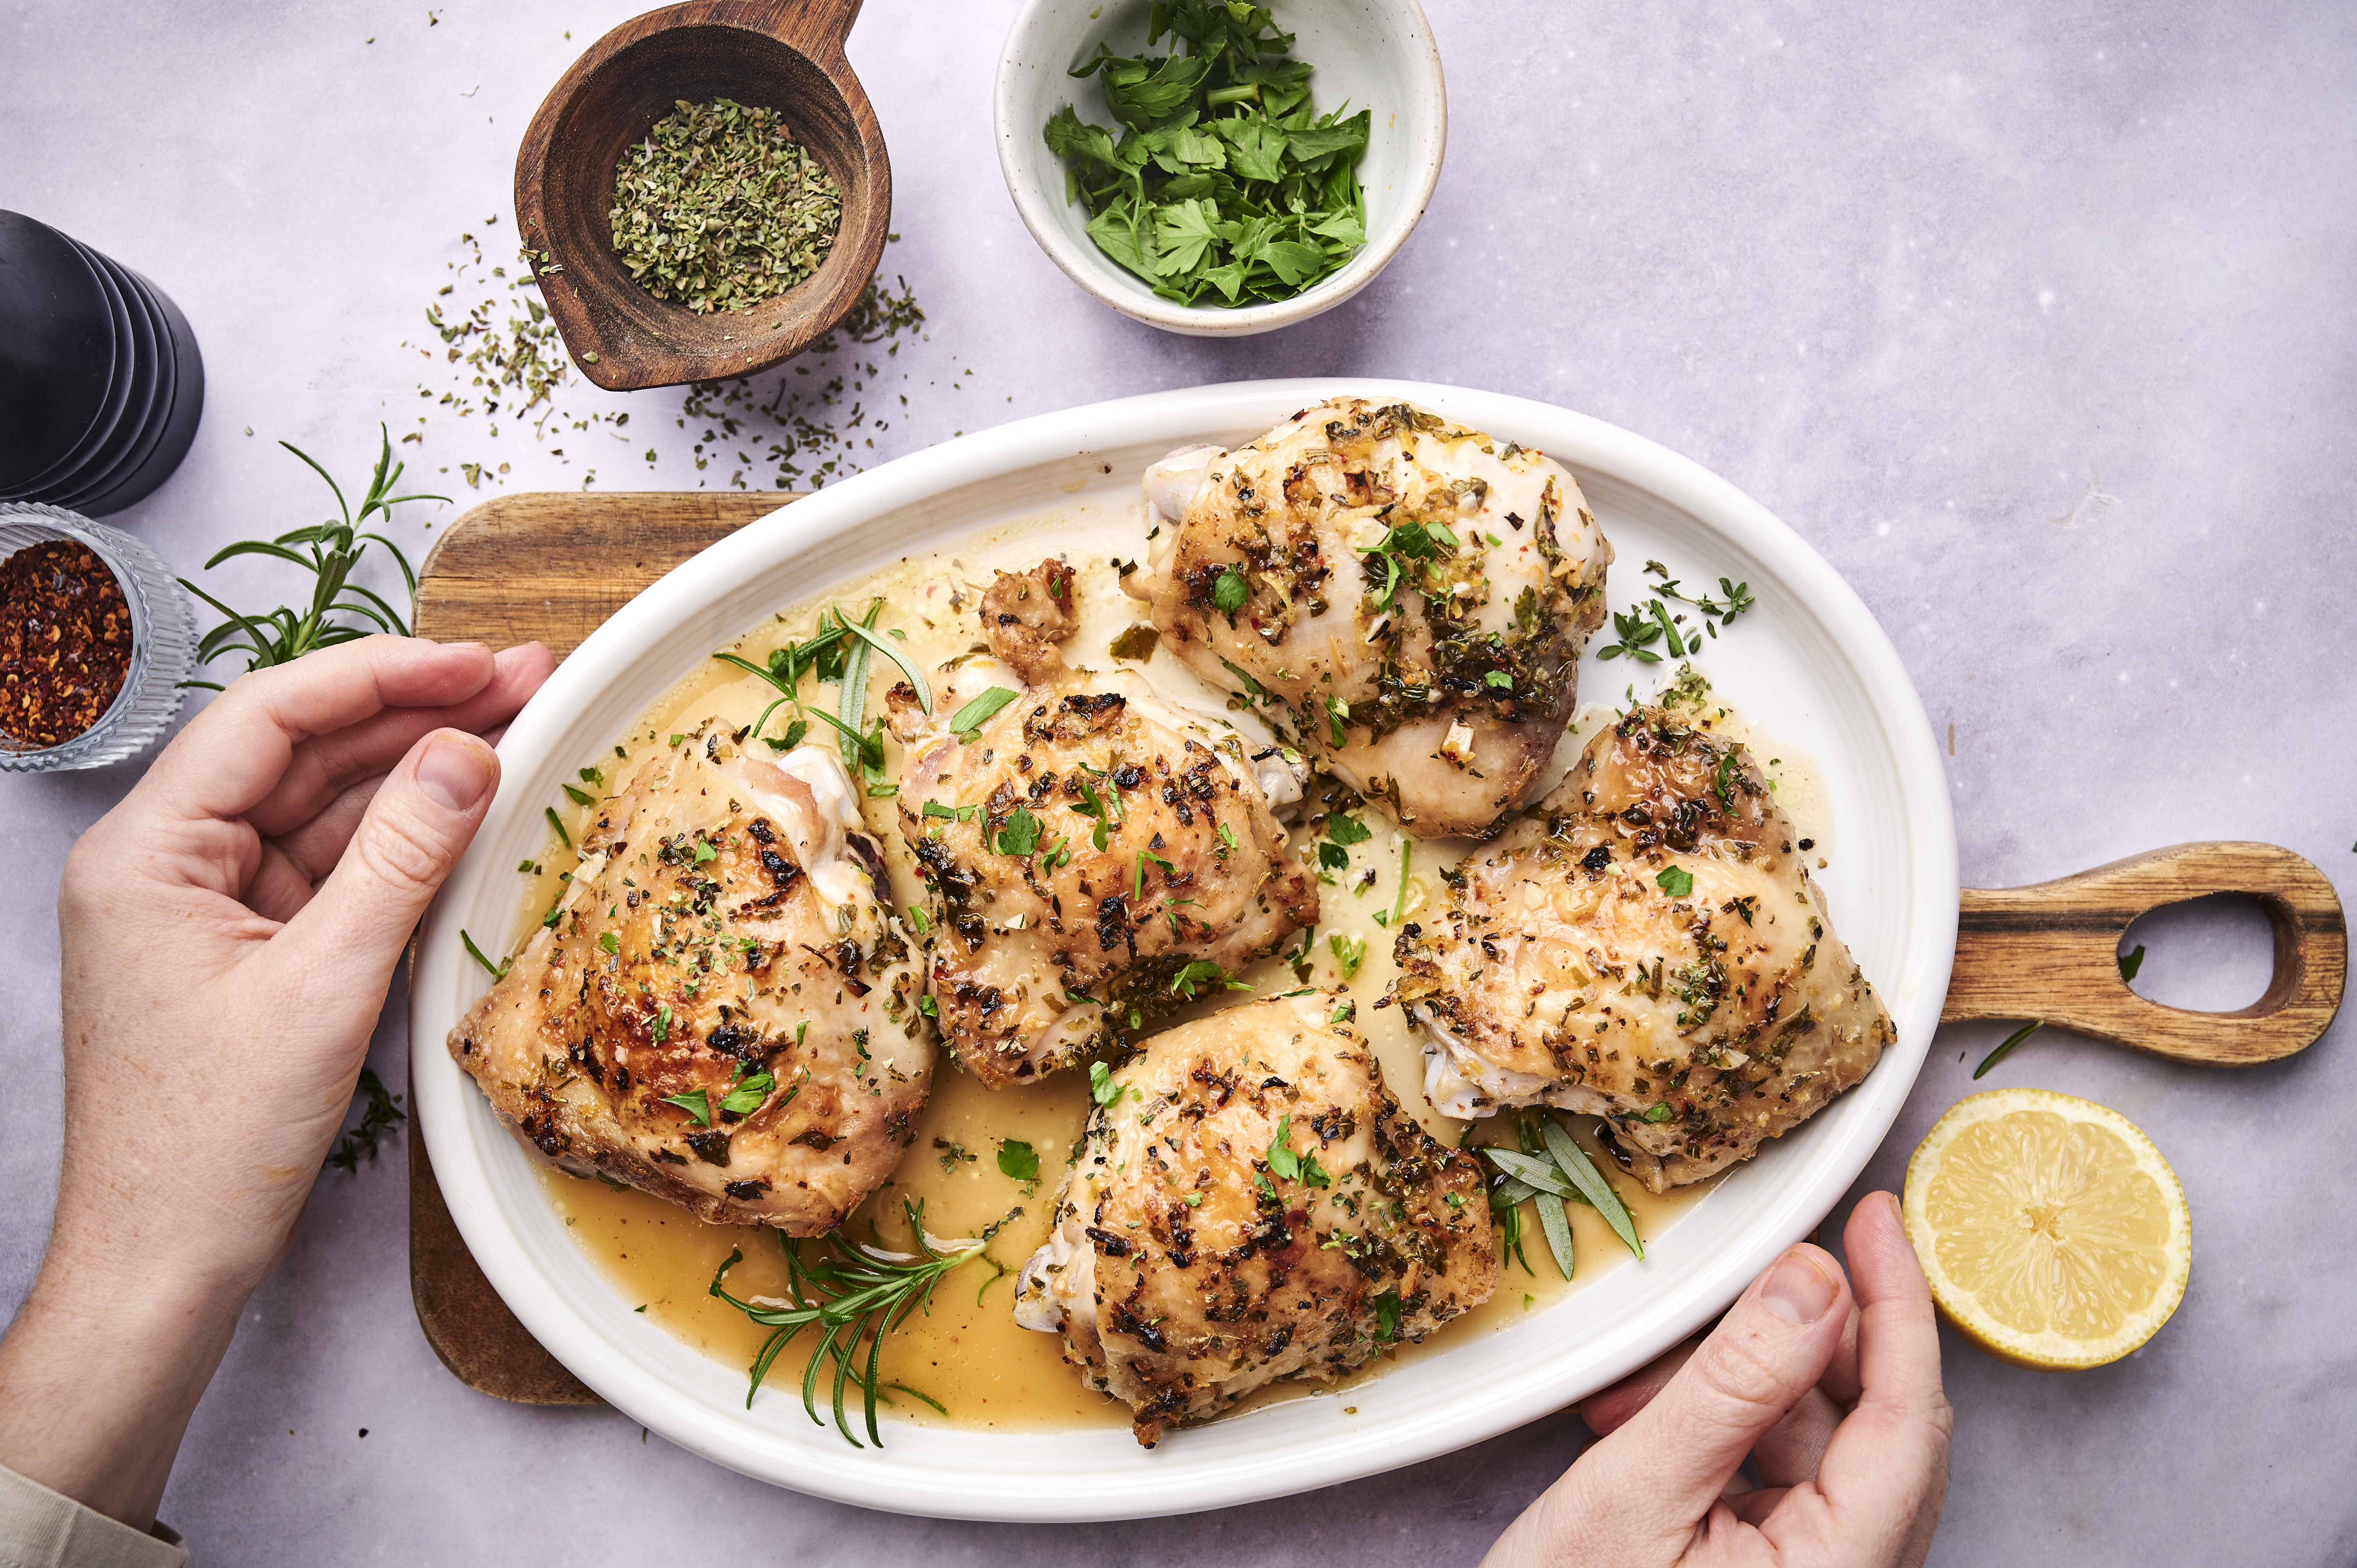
x=382 y=1114
x=65 y=641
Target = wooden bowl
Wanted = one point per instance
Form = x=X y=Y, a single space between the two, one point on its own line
x=785 y=55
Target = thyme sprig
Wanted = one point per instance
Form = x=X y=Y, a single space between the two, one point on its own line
x=381 y=1115
x=850 y=1293
x=1653 y=622
x=330 y=552
x=838 y=652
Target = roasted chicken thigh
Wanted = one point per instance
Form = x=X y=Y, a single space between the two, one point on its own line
x=1092 y=855
x=1409 y=597
x=1648 y=946
x=1253 y=1205
x=723 y=1010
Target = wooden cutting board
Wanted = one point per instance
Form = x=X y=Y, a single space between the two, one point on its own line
x=553 y=566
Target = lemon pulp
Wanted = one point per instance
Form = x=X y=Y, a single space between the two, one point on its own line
x=2053 y=1233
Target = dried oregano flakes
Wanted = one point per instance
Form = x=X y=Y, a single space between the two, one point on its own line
x=718 y=208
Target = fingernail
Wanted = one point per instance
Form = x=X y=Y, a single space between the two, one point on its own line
x=1798 y=1289
x=454 y=774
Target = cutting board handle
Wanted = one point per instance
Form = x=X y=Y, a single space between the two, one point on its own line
x=2051 y=951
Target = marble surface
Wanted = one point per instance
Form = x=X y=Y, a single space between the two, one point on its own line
x=2037 y=320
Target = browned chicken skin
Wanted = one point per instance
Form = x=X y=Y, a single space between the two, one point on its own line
x=1083 y=846
x=1254 y=1206
x=727 y=933
x=1650 y=949
x=1411 y=596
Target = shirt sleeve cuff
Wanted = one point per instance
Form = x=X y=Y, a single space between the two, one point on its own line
x=42 y=1528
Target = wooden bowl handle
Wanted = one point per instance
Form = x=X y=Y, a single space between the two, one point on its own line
x=2051 y=951
x=816 y=28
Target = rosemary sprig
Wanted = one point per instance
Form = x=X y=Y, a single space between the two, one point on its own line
x=330 y=552
x=2006 y=1050
x=850 y=1293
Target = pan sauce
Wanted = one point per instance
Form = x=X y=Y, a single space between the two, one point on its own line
x=966 y=1351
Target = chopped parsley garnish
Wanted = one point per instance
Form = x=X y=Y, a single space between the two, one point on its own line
x=747 y=1097
x=1202 y=972
x=1347 y=830
x=1104 y=1089
x=1349 y=953
x=695 y=1103
x=1018 y=1159
x=1228 y=591
x=1290 y=1165
x=1337 y=719
x=1677 y=881
x=1019 y=834
x=1387 y=1317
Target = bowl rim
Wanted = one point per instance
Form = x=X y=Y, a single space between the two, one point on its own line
x=621 y=360
x=1288 y=1448
x=1104 y=278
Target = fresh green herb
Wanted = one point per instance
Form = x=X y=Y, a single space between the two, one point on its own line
x=1333 y=857
x=1019 y=834
x=1337 y=719
x=704 y=852
x=718 y=208
x=1349 y=953
x=1018 y=1159
x=747 y=1097
x=968 y=720
x=1221 y=181
x=1252 y=687
x=330 y=552
x=609 y=941
x=377 y=1118
x=1499 y=678
x=1387 y=1317
x=849 y=1293
x=1726 y=781
x=1344 y=1012
x=2006 y=1050
x=1227 y=835
x=499 y=971
x=1092 y=806
x=1202 y=972
x=1291 y=1167
x=662 y=1023
x=2131 y=963
x=1228 y=591
x=1347 y=830
x=1636 y=632
x=928 y=1007
x=1193 y=1200
x=1659 y=1112
x=919 y=922
x=696 y=1102
x=1677 y=881
x=1102 y=1088
x=1390 y=917
x=558 y=823
x=1573 y=1160
x=862 y=630
x=1662 y=618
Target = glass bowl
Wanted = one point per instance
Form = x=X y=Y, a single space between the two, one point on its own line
x=163 y=641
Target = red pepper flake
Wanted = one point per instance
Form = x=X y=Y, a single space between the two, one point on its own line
x=65 y=642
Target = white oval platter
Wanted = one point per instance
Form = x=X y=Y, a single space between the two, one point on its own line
x=1809 y=665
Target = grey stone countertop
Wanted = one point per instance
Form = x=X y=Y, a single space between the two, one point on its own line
x=2039 y=321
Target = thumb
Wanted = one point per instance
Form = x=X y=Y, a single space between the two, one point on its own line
x=1654 y=1480
x=416 y=827
x=1770 y=1349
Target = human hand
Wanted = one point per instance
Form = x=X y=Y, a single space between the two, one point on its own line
x=226 y=936
x=1837 y=1401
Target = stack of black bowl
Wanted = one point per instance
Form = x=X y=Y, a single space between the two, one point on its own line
x=101 y=385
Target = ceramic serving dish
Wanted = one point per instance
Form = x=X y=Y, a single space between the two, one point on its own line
x=1375 y=54
x=1814 y=670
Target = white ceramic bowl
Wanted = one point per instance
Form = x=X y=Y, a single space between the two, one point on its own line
x=1813 y=670
x=1376 y=54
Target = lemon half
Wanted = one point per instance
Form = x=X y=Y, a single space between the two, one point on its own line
x=2054 y=1235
